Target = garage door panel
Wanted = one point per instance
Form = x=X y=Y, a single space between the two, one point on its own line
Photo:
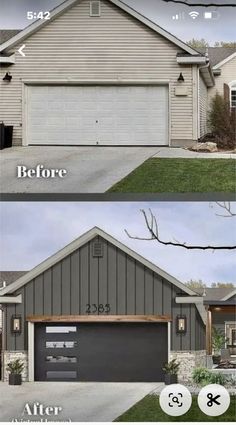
x=106 y=352
x=98 y=111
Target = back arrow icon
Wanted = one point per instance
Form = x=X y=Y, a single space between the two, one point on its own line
x=21 y=50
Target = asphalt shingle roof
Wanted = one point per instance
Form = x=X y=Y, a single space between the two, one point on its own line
x=5 y=35
x=214 y=294
x=217 y=54
x=10 y=277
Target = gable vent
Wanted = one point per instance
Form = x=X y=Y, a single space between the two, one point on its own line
x=97 y=249
x=95 y=8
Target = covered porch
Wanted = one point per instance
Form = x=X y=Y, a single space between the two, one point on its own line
x=221 y=316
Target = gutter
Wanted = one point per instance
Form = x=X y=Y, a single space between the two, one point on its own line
x=192 y=60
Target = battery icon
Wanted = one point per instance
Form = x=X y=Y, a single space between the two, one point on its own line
x=211 y=15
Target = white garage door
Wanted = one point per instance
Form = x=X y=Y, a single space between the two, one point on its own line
x=91 y=115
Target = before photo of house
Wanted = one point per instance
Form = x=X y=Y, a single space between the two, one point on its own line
x=106 y=91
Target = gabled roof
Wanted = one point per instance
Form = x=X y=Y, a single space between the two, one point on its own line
x=70 y=3
x=6 y=35
x=230 y=295
x=77 y=243
x=218 y=55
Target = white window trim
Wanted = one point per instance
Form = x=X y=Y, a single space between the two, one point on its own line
x=232 y=87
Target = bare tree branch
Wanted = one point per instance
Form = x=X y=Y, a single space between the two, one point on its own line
x=197 y=4
x=152 y=226
x=227 y=207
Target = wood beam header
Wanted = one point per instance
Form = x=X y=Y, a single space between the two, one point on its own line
x=99 y=318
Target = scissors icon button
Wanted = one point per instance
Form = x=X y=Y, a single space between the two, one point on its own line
x=212 y=399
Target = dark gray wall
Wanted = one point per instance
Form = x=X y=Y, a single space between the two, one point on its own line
x=116 y=278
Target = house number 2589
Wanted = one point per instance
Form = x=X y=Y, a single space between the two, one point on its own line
x=98 y=308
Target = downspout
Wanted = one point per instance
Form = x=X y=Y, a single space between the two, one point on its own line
x=199 y=69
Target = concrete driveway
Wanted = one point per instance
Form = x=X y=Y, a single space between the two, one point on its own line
x=80 y=402
x=89 y=169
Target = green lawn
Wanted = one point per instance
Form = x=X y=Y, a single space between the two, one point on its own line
x=148 y=410
x=180 y=175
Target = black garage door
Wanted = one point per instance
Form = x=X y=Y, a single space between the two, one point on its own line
x=102 y=352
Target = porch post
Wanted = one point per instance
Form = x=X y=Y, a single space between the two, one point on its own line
x=208 y=332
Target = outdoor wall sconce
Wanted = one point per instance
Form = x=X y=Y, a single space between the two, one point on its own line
x=8 y=77
x=16 y=324
x=181 y=324
x=181 y=78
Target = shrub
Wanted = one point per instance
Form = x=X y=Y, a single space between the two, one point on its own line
x=203 y=376
x=172 y=367
x=15 y=367
x=218 y=340
x=222 y=122
x=218 y=378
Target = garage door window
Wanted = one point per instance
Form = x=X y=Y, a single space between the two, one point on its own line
x=61 y=344
x=61 y=359
x=62 y=374
x=60 y=329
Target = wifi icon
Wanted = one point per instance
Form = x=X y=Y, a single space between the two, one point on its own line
x=194 y=14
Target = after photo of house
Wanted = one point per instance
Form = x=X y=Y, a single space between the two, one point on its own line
x=120 y=94
x=115 y=300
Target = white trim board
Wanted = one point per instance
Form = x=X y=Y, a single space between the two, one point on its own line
x=31 y=29
x=11 y=300
x=77 y=243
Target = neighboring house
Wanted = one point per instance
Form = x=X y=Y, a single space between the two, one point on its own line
x=220 y=304
x=98 y=311
x=223 y=64
x=100 y=73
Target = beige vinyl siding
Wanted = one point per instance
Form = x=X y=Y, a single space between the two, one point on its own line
x=228 y=74
x=203 y=106
x=114 y=46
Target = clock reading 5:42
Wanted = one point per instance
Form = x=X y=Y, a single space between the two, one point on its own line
x=38 y=15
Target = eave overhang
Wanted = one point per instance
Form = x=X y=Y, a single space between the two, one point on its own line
x=11 y=300
x=7 y=60
x=198 y=301
x=208 y=76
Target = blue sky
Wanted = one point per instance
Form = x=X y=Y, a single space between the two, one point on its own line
x=30 y=232
x=13 y=15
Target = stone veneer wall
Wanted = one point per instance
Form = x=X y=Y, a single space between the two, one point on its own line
x=10 y=356
x=188 y=361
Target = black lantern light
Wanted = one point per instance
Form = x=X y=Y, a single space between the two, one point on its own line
x=16 y=324
x=181 y=324
x=181 y=78
x=8 y=77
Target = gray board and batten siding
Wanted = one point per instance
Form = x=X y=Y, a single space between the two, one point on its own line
x=115 y=278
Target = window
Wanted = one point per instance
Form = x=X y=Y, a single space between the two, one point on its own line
x=232 y=87
x=233 y=97
x=61 y=344
x=60 y=329
x=95 y=8
x=61 y=359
